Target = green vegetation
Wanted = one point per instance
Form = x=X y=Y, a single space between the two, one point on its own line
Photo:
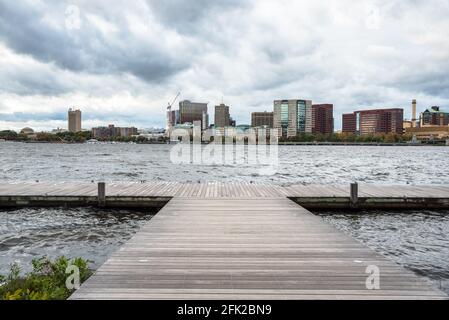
x=118 y=139
x=83 y=136
x=70 y=137
x=62 y=137
x=12 y=136
x=46 y=137
x=345 y=137
x=139 y=139
x=8 y=135
x=47 y=281
x=73 y=137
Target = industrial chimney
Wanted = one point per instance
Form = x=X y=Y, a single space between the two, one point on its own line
x=413 y=113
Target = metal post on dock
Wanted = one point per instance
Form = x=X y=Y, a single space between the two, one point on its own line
x=354 y=194
x=101 y=194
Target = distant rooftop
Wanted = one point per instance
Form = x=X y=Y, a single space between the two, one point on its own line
x=435 y=109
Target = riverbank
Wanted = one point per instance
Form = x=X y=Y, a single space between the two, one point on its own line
x=378 y=144
x=81 y=143
x=375 y=144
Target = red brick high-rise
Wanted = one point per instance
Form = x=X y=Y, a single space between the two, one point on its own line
x=349 y=123
x=260 y=119
x=374 y=121
x=323 y=118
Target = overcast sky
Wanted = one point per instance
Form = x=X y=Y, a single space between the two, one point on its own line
x=122 y=61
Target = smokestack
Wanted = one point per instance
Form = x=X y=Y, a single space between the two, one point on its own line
x=204 y=122
x=414 y=113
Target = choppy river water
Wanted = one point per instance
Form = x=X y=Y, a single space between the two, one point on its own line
x=417 y=240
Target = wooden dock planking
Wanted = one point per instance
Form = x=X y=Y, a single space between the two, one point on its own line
x=245 y=248
x=240 y=241
x=309 y=196
x=215 y=190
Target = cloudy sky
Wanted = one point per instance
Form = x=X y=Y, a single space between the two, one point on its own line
x=122 y=61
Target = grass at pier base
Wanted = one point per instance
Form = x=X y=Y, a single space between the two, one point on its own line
x=47 y=280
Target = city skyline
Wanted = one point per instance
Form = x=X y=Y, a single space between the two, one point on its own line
x=211 y=151
x=364 y=57
x=320 y=119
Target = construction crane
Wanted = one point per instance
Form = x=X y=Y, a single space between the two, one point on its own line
x=169 y=109
x=174 y=100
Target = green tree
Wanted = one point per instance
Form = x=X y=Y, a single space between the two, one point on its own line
x=9 y=135
x=46 y=137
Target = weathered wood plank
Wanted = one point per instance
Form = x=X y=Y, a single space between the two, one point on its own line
x=221 y=190
x=254 y=248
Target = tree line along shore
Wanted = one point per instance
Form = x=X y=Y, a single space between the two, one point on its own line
x=84 y=136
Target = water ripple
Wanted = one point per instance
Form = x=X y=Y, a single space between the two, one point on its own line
x=297 y=164
x=417 y=240
x=90 y=233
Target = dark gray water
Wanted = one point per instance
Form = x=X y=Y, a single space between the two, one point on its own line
x=417 y=240
x=93 y=234
x=297 y=164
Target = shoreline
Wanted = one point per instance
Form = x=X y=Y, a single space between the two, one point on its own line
x=379 y=144
x=376 y=144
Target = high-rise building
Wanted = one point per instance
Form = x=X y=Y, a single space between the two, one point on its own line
x=292 y=117
x=112 y=131
x=375 y=121
x=349 y=123
x=74 y=119
x=434 y=117
x=128 y=131
x=173 y=118
x=190 y=112
x=222 y=116
x=105 y=132
x=323 y=118
x=262 y=119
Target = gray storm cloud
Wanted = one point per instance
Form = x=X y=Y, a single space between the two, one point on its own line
x=25 y=30
x=122 y=57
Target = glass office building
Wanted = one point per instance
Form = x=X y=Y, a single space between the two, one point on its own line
x=292 y=117
x=301 y=108
x=284 y=118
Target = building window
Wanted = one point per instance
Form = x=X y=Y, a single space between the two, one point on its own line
x=284 y=118
x=301 y=120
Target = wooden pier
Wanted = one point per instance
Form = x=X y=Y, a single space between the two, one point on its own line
x=246 y=248
x=240 y=241
x=157 y=194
